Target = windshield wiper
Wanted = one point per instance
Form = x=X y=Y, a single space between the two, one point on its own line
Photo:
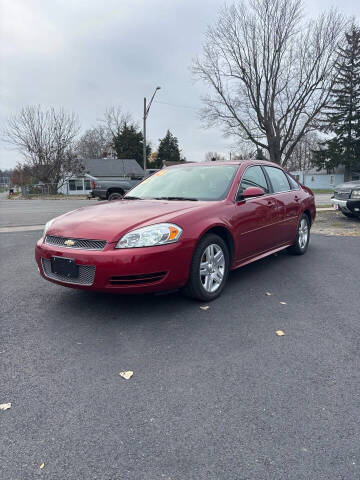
x=132 y=198
x=176 y=198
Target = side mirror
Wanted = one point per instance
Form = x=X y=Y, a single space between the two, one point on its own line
x=250 y=192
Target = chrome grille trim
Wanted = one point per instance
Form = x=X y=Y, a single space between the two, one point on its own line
x=80 y=243
x=86 y=274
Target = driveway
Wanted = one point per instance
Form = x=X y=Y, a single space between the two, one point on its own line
x=216 y=394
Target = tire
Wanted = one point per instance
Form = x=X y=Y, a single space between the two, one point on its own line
x=207 y=283
x=347 y=214
x=300 y=246
x=115 y=196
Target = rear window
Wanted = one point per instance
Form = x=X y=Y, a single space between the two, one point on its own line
x=293 y=183
x=278 y=179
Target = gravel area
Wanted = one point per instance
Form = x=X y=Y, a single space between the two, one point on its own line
x=335 y=223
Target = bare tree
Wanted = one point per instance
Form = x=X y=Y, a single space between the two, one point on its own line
x=22 y=175
x=114 y=119
x=302 y=157
x=213 y=156
x=45 y=139
x=269 y=72
x=94 y=143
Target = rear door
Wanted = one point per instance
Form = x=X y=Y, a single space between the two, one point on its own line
x=288 y=203
x=256 y=219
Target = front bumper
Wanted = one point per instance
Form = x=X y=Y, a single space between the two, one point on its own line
x=135 y=267
x=351 y=205
x=339 y=203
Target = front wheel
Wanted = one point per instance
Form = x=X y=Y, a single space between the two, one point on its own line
x=301 y=243
x=209 y=268
x=347 y=214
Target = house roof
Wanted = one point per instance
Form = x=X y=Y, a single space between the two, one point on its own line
x=112 y=167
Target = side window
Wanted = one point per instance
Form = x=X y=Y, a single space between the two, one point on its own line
x=254 y=177
x=278 y=179
x=294 y=185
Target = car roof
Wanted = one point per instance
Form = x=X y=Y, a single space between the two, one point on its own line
x=226 y=162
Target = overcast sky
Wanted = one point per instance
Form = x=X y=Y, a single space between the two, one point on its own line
x=87 y=55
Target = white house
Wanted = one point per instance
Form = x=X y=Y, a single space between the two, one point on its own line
x=322 y=179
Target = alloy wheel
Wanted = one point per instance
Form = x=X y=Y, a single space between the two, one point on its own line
x=303 y=233
x=212 y=267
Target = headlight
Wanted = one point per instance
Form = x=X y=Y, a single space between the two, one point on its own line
x=47 y=226
x=160 y=234
x=355 y=194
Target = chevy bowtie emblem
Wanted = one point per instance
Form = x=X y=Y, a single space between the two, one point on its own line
x=69 y=243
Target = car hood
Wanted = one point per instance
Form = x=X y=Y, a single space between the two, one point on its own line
x=348 y=185
x=107 y=221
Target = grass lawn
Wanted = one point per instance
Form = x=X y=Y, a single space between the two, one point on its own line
x=322 y=190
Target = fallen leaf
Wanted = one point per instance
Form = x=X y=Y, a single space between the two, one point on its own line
x=283 y=303
x=268 y=294
x=42 y=466
x=280 y=333
x=5 y=406
x=127 y=374
x=206 y=307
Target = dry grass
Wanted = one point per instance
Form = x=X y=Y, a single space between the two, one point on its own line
x=335 y=223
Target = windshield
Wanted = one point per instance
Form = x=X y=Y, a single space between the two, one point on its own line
x=187 y=183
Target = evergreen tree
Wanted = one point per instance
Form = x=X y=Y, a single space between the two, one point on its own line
x=260 y=154
x=128 y=143
x=168 y=149
x=343 y=117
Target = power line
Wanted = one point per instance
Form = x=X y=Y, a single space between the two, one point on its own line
x=175 y=105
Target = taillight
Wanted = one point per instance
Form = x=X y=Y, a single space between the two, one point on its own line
x=92 y=183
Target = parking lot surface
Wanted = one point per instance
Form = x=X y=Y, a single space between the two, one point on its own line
x=215 y=394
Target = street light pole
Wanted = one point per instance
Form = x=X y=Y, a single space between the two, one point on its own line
x=146 y=113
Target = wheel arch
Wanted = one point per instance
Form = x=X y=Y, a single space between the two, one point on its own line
x=225 y=234
x=115 y=190
x=308 y=214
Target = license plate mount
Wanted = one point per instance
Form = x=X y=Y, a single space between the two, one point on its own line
x=65 y=267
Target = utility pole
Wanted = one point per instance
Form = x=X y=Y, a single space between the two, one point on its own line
x=146 y=113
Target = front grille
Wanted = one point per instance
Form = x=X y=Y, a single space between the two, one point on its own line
x=86 y=274
x=79 y=243
x=341 y=195
x=137 y=279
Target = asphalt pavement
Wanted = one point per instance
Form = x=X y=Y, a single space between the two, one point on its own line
x=215 y=395
x=36 y=212
x=322 y=199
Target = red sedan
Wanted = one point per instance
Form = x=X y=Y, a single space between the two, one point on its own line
x=184 y=227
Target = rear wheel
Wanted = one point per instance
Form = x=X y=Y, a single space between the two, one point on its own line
x=209 y=268
x=115 y=196
x=301 y=243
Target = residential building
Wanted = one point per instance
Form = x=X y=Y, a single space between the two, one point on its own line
x=315 y=179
